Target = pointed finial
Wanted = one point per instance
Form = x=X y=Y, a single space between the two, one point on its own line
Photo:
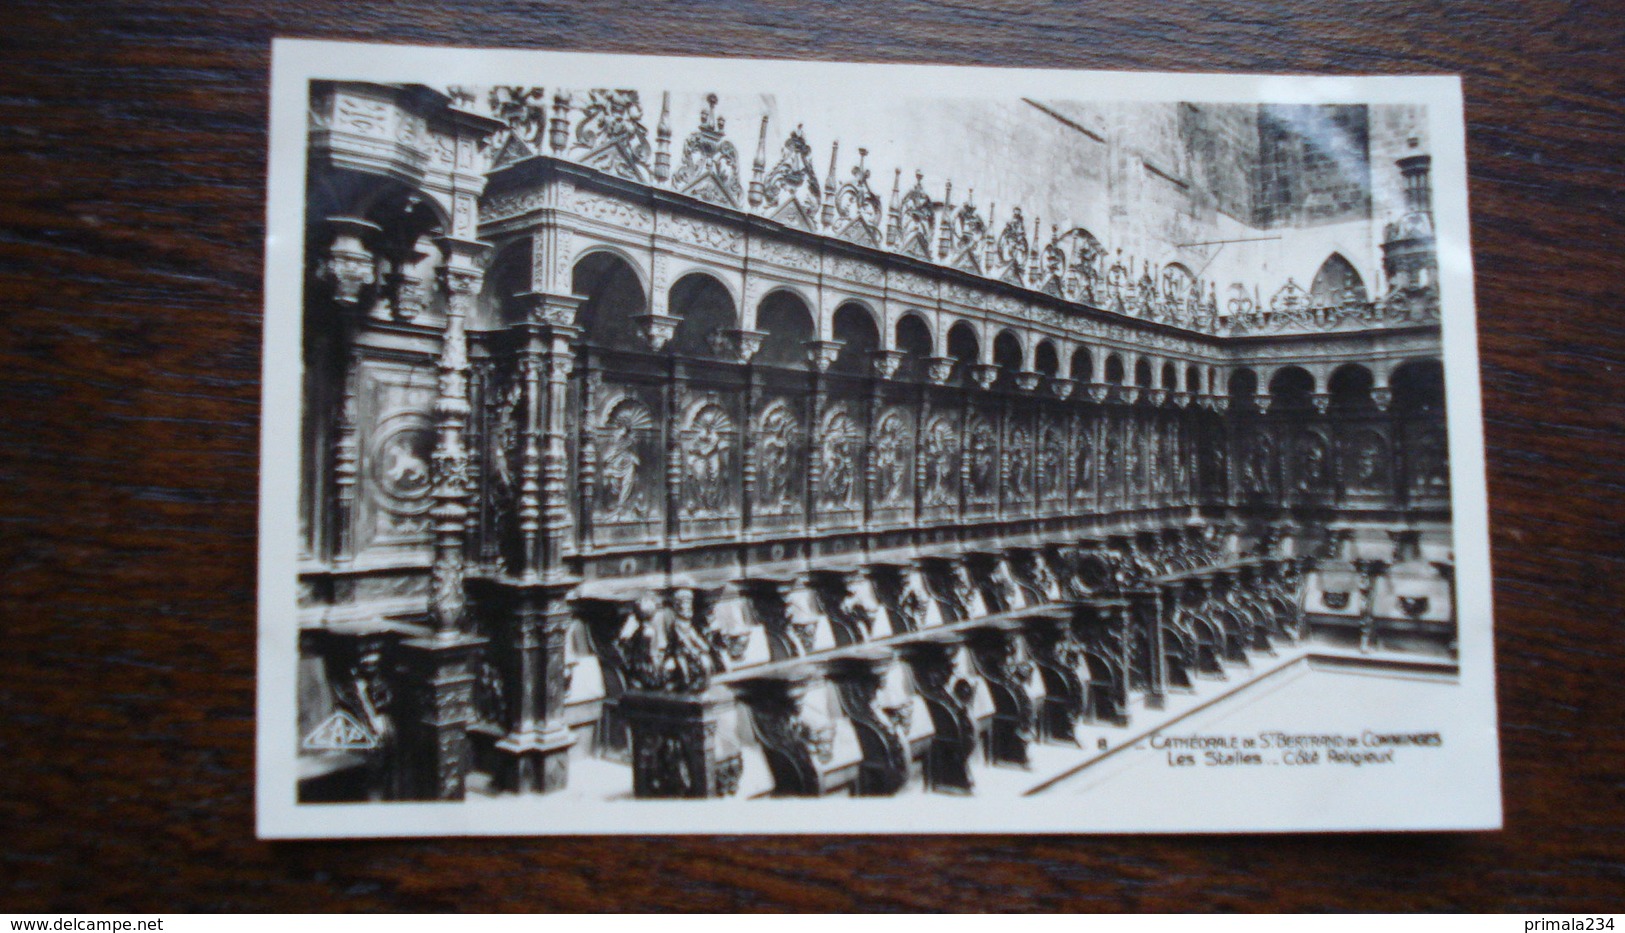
x=662 y=169
x=756 y=191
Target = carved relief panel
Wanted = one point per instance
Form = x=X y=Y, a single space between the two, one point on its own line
x=840 y=442
x=891 y=458
x=708 y=445
x=781 y=464
x=628 y=493
x=981 y=463
x=396 y=441
x=939 y=464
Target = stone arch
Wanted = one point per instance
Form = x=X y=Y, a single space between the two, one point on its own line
x=508 y=276
x=787 y=319
x=1243 y=383
x=855 y=326
x=964 y=346
x=1114 y=369
x=1170 y=377
x=705 y=306
x=1291 y=387
x=1046 y=359
x=1142 y=373
x=912 y=335
x=1083 y=365
x=1193 y=378
x=1008 y=350
x=614 y=299
x=1418 y=385
x=1336 y=282
x=1350 y=386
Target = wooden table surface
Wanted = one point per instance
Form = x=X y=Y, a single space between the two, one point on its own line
x=132 y=136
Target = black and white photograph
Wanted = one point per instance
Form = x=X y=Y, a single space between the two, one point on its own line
x=687 y=445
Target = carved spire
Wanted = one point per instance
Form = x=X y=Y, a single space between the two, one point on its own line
x=944 y=242
x=1034 y=267
x=663 y=139
x=893 y=210
x=759 y=166
x=829 y=185
x=989 y=251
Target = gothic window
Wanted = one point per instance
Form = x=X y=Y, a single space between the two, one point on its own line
x=1337 y=283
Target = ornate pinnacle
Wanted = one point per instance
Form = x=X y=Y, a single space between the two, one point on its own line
x=662 y=169
x=759 y=166
x=829 y=185
x=893 y=223
x=943 y=243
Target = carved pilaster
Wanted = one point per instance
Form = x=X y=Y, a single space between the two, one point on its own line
x=533 y=622
x=346 y=462
x=436 y=753
x=460 y=278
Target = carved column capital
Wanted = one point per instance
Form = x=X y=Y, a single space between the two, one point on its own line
x=350 y=267
x=658 y=328
x=939 y=369
x=887 y=362
x=984 y=374
x=822 y=353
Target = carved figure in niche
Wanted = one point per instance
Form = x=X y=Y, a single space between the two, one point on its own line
x=940 y=444
x=1311 y=463
x=1365 y=462
x=363 y=692
x=1083 y=462
x=840 y=455
x=777 y=431
x=1052 y=465
x=981 y=460
x=1258 y=466
x=707 y=445
x=1114 y=461
x=622 y=495
x=1135 y=460
x=1021 y=466
x=1431 y=463
x=611 y=136
x=490 y=694
x=889 y=456
x=793 y=179
x=710 y=165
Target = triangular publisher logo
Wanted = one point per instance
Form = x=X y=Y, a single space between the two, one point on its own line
x=340 y=732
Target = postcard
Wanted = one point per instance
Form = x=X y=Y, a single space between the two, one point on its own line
x=678 y=445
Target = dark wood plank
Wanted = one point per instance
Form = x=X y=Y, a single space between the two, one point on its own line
x=133 y=136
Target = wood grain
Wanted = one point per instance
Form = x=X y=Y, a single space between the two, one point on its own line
x=133 y=136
